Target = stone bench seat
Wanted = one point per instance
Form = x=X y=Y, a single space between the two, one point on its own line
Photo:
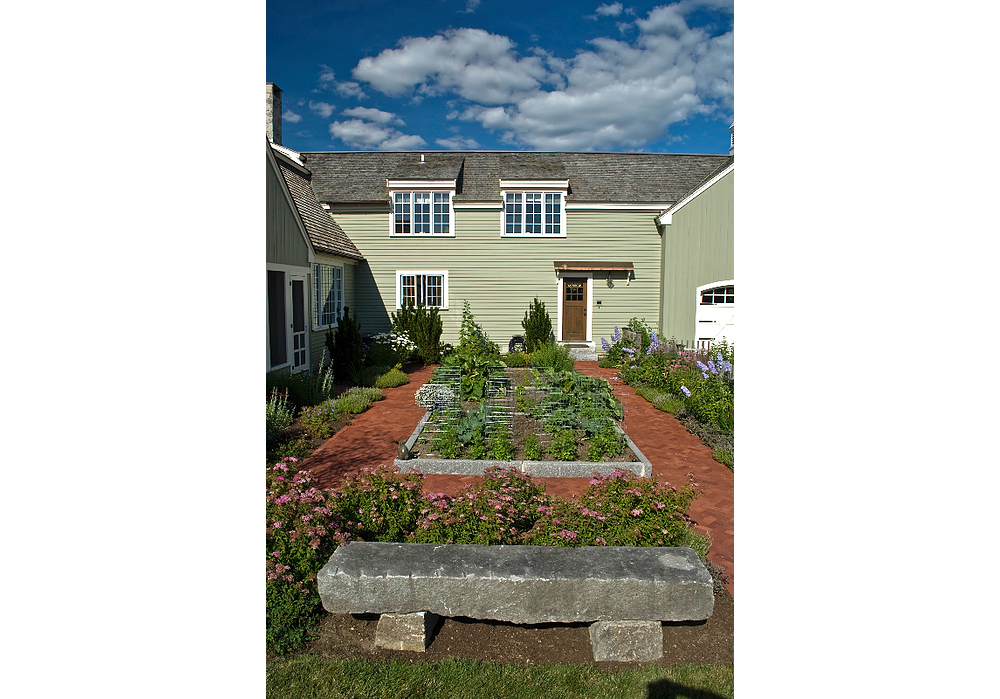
x=625 y=591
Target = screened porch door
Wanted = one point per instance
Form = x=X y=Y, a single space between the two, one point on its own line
x=298 y=325
x=574 y=325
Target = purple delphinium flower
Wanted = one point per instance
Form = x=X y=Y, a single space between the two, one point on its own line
x=711 y=367
x=605 y=345
x=615 y=336
x=701 y=366
x=629 y=351
x=704 y=374
x=718 y=358
x=685 y=391
x=729 y=366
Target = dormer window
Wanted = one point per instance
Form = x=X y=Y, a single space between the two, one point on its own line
x=422 y=208
x=534 y=208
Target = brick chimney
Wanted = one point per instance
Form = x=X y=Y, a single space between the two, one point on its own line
x=273 y=113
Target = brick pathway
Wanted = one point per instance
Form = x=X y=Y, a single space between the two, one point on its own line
x=673 y=451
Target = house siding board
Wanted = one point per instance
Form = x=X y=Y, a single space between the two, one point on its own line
x=285 y=244
x=697 y=249
x=500 y=276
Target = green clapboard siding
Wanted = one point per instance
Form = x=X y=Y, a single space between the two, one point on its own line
x=697 y=250
x=285 y=244
x=500 y=276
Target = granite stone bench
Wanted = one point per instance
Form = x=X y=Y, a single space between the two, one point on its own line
x=625 y=592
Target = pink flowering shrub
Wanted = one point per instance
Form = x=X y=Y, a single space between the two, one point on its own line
x=378 y=504
x=500 y=510
x=300 y=540
x=619 y=509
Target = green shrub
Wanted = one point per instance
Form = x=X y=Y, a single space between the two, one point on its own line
x=620 y=509
x=502 y=509
x=357 y=400
x=537 y=326
x=477 y=447
x=393 y=378
x=552 y=356
x=532 y=448
x=299 y=542
x=563 y=446
x=724 y=456
x=378 y=504
x=345 y=345
x=279 y=414
x=316 y=419
x=424 y=327
x=517 y=359
x=446 y=444
x=298 y=448
x=303 y=388
x=501 y=448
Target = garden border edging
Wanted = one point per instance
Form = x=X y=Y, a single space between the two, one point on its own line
x=543 y=469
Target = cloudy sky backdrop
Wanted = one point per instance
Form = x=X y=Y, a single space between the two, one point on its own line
x=485 y=74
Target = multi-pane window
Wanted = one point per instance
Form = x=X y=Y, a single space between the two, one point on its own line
x=533 y=213
x=421 y=213
x=428 y=289
x=720 y=294
x=329 y=284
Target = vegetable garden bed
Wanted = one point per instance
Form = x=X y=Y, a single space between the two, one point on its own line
x=553 y=424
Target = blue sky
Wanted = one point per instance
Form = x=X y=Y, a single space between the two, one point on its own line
x=511 y=75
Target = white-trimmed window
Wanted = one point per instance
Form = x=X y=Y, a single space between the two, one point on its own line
x=328 y=281
x=718 y=295
x=422 y=288
x=422 y=208
x=534 y=208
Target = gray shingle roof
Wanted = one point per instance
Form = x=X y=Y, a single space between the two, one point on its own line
x=325 y=234
x=342 y=177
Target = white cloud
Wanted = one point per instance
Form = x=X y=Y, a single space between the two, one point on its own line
x=617 y=94
x=376 y=115
x=290 y=116
x=479 y=66
x=612 y=10
x=458 y=143
x=471 y=5
x=349 y=88
x=328 y=81
x=322 y=108
x=360 y=134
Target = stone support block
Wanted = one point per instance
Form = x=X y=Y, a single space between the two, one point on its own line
x=627 y=641
x=405 y=631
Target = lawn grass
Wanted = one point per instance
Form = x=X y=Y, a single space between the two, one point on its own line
x=311 y=676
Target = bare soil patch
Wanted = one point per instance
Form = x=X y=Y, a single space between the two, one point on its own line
x=353 y=636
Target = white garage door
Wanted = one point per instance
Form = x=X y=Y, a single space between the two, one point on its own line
x=715 y=318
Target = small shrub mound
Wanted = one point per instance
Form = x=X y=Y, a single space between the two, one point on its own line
x=316 y=419
x=393 y=378
x=619 y=509
x=358 y=399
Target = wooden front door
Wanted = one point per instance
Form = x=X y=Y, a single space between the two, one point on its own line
x=574 y=310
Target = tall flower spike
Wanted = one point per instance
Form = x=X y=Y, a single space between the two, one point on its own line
x=685 y=391
x=605 y=345
x=616 y=336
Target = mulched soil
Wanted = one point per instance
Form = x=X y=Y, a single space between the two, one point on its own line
x=353 y=636
x=371 y=440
